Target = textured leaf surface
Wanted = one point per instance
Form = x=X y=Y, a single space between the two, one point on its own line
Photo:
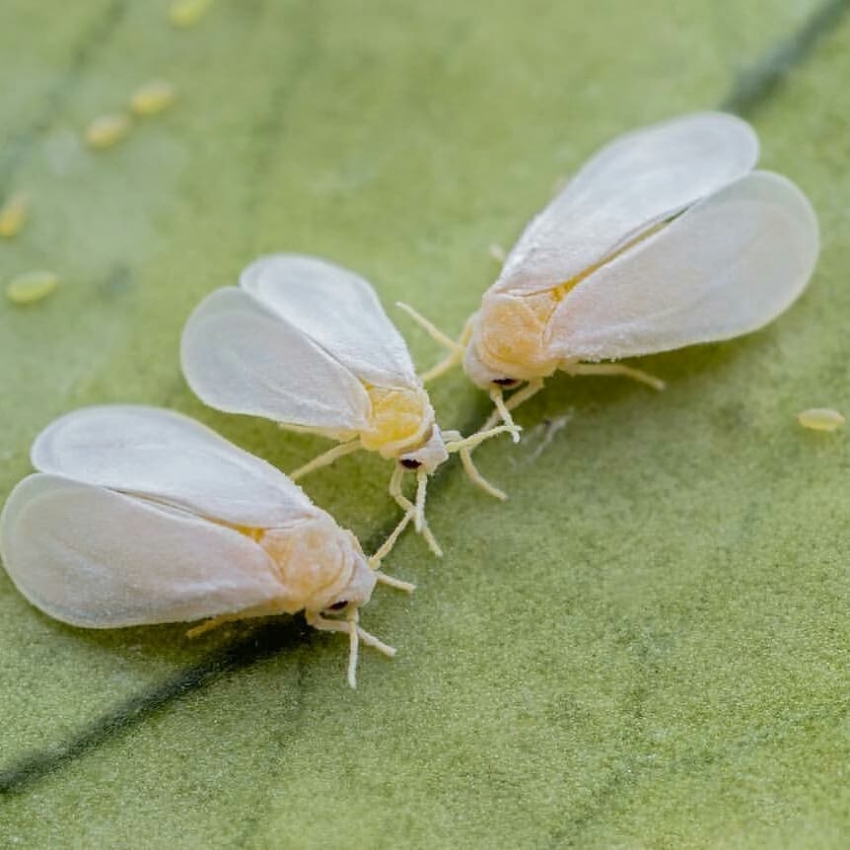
x=646 y=646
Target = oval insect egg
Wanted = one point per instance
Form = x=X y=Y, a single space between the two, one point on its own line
x=152 y=98
x=187 y=13
x=107 y=130
x=14 y=214
x=31 y=287
x=820 y=419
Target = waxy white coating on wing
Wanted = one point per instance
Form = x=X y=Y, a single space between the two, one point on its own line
x=302 y=342
x=170 y=458
x=726 y=267
x=91 y=557
x=239 y=357
x=638 y=180
x=338 y=310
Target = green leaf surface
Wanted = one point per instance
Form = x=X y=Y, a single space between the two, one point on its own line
x=645 y=646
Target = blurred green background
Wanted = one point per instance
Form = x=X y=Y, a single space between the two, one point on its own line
x=646 y=646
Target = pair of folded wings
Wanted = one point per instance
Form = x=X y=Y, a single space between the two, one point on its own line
x=299 y=338
x=733 y=248
x=124 y=523
x=296 y=342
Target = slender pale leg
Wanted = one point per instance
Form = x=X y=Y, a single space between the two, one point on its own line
x=490 y=428
x=410 y=512
x=518 y=398
x=421 y=491
x=477 y=478
x=209 y=625
x=355 y=635
x=326 y=458
x=615 y=369
x=268 y=610
x=387 y=545
x=498 y=399
x=464 y=446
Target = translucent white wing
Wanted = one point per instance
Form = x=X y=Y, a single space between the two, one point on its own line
x=172 y=459
x=94 y=558
x=638 y=180
x=239 y=357
x=726 y=267
x=338 y=310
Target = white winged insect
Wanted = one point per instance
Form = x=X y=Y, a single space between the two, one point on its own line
x=139 y=515
x=307 y=344
x=665 y=238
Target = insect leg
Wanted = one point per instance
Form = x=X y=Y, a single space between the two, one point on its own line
x=498 y=398
x=421 y=492
x=387 y=545
x=411 y=511
x=490 y=429
x=349 y=626
x=209 y=625
x=326 y=458
x=355 y=635
x=267 y=610
x=464 y=447
x=615 y=369
x=476 y=477
x=518 y=398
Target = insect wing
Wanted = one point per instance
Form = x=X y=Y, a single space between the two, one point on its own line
x=172 y=459
x=95 y=558
x=338 y=310
x=633 y=183
x=726 y=267
x=239 y=357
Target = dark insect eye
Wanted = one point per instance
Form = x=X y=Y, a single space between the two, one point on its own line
x=410 y=463
x=338 y=606
x=505 y=382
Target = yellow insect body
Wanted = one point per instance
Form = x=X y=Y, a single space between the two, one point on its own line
x=665 y=238
x=307 y=344
x=141 y=516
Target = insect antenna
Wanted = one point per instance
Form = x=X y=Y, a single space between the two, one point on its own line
x=474 y=440
x=456 y=348
x=397 y=583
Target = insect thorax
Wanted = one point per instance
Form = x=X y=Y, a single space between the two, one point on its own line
x=400 y=420
x=317 y=563
x=510 y=338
